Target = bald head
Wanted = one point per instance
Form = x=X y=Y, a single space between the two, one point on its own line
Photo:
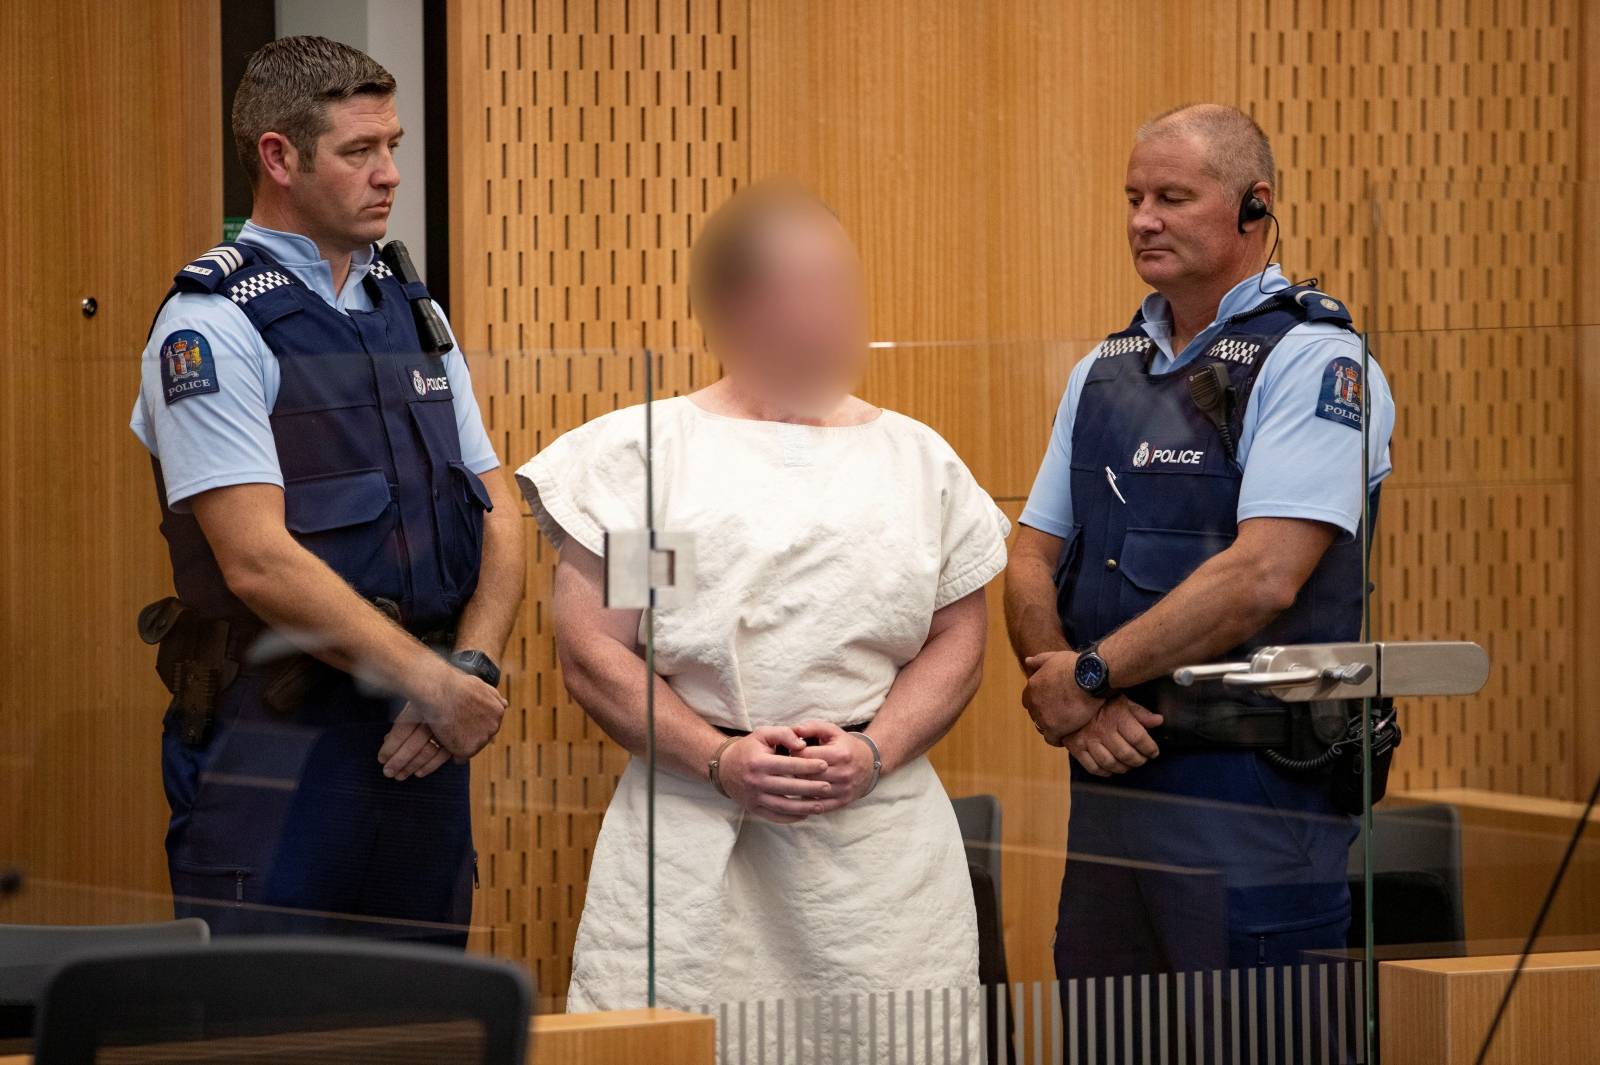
x=1237 y=152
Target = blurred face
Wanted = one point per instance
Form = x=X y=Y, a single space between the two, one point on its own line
x=801 y=324
x=1182 y=223
x=345 y=198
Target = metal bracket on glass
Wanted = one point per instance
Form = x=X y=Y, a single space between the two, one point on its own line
x=1316 y=671
x=648 y=569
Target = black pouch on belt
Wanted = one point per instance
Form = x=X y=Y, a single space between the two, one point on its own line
x=290 y=683
x=295 y=678
x=297 y=674
x=1346 y=783
x=192 y=661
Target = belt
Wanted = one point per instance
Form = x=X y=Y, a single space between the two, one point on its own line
x=1232 y=725
x=1191 y=723
x=811 y=741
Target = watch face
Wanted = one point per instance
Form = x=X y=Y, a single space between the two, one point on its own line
x=479 y=665
x=1091 y=672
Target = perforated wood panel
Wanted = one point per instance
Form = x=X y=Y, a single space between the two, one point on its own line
x=1428 y=154
x=588 y=140
x=979 y=170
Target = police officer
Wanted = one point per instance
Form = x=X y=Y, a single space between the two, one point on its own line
x=346 y=553
x=1201 y=495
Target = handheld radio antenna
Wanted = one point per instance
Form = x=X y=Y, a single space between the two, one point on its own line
x=430 y=326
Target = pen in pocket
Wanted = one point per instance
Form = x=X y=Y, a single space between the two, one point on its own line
x=1111 y=479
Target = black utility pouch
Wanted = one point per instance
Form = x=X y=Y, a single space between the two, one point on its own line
x=1346 y=777
x=292 y=682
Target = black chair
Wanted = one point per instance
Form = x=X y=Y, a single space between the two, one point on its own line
x=1416 y=877
x=285 y=999
x=29 y=952
x=979 y=818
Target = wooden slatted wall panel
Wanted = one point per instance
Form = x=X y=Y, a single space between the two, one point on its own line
x=1429 y=163
x=976 y=151
x=588 y=139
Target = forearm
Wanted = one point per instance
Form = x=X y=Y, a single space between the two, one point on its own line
x=931 y=690
x=1032 y=623
x=1219 y=606
x=608 y=680
x=311 y=606
x=488 y=616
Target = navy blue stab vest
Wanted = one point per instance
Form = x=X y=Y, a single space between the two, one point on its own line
x=367 y=443
x=1154 y=494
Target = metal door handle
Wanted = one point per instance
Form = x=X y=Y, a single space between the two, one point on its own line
x=1189 y=674
x=1305 y=672
x=1279 y=679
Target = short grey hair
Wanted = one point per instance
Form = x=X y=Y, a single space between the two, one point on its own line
x=1238 y=153
x=286 y=88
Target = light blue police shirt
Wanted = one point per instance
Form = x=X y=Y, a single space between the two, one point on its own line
x=1296 y=464
x=224 y=437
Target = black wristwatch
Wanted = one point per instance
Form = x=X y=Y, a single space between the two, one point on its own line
x=479 y=665
x=1092 y=673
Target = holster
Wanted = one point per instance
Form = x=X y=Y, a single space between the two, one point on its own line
x=193 y=662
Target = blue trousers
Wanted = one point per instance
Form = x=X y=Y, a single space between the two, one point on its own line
x=289 y=826
x=1195 y=880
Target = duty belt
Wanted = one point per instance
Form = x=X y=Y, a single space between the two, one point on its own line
x=199 y=657
x=1194 y=726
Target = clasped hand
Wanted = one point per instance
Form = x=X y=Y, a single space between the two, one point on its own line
x=457 y=721
x=759 y=774
x=1105 y=736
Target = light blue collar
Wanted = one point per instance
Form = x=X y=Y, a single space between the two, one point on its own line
x=1246 y=295
x=300 y=256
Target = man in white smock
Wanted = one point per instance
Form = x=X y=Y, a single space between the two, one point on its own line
x=842 y=551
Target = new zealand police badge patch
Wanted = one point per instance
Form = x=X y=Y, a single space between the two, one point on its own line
x=186 y=366
x=430 y=382
x=1339 y=399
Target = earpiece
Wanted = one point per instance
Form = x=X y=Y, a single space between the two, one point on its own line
x=1252 y=209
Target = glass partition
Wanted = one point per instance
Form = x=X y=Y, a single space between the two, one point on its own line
x=1198 y=906
x=1472 y=315
x=1482 y=539
x=262 y=776
x=990 y=898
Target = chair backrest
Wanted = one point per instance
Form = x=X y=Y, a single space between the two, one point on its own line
x=1418 y=840
x=1411 y=838
x=286 y=998
x=979 y=818
x=28 y=952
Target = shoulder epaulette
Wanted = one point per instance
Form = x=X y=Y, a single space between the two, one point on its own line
x=207 y=272
x=1321 y=307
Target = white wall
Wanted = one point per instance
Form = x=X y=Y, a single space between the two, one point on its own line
x=390 y=31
